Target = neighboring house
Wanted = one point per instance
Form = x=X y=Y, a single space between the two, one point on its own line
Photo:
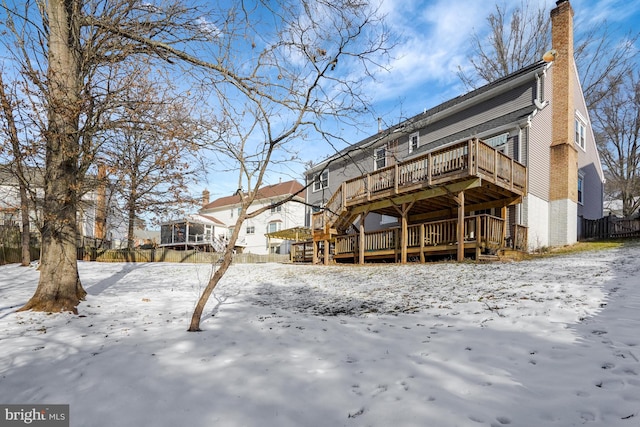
x=252 y=237
x=202 y=232
x=518 y=154
x=97 y=223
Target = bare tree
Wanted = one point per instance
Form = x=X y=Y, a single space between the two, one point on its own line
x=516 y=39
x=608 y=70
x=279 y=60
x=617 y=117
x=308 y=67
x=71 y=51
x=152 y=150
x=8 y=108
x=520 y=37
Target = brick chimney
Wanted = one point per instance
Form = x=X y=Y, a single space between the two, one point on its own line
x=205 y=197
x=563 y=192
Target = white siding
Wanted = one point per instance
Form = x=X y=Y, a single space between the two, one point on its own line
x=535 y=215
x=291 y=215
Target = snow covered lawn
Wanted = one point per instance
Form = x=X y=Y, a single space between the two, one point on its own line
x=548 y=342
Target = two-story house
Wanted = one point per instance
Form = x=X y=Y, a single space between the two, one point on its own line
x=97 y=222
x=253 y=236
x=514 y=161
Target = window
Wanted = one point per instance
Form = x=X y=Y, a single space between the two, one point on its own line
x=251 y=229
x=275 y=209
x=414 y=142
x=386 y=219
x=321 y=181
x=580 y=188
x=380 y=158
x=581 y=131
x=497 y=141
x=274 y=226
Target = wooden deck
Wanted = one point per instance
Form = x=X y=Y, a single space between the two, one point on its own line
x=431 y=194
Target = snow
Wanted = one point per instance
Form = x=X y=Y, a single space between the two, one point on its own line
x=545 y=342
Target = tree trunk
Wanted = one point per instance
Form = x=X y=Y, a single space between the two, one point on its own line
x=213 y=282
x=131 y=224
x=8 y=110
x=59 y=288
x=26 y=228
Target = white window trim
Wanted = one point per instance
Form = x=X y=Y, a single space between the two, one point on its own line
x=375 y=158
x=580 y=179
x=579 y=119
x=317 y=181
x=277 y=224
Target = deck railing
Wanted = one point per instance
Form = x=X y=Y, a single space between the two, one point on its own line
x=469 y=158
x=488 y=229
x=380 y=240
x=519 y=236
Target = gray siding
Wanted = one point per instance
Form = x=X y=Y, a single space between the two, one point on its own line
x=589 y=165
x=474 y=117
x=538 y=147
x=493 y=114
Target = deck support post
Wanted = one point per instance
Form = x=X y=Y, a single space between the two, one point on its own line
x=504 y=213
x=479 y=236
x=404 y=231
x=326 y=252
x=315 y=252
x=422 y=236
x=361 y=244
x=460 y=235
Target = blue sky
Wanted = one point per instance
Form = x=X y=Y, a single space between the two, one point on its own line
x=433 y=41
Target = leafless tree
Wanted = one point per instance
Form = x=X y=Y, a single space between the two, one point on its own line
x=283 y=67
x=608 y=69
x=9 y=106
x=617 y=120
x=71 y=52
x=517 y=38
x=520 y=37
x=306 y=67
x=151 y=150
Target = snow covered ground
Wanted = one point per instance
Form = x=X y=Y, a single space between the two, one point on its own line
x=547 y=342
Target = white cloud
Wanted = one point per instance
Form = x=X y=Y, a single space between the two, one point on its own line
x=433 y=41
x=594 y=12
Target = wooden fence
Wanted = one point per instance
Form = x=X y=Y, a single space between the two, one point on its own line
x=12 y=255
x=171 y=255
x=609 y=227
